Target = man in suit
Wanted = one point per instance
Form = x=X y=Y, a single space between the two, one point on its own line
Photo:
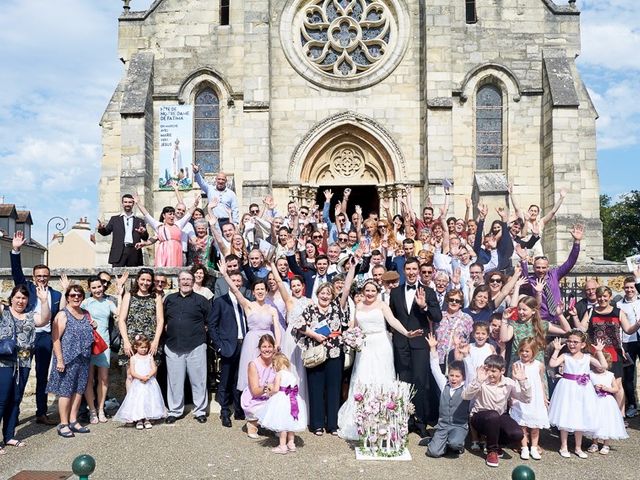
x=414 y=305
x=227 y=328
x=312 y=278
x=43 y=344
x=127 y=231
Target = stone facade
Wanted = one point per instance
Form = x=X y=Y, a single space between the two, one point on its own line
x=407 y=117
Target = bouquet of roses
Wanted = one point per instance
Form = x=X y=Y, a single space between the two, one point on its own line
x=354 y=338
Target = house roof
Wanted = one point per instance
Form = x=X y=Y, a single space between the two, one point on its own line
x=8 y=210
x=24 y=216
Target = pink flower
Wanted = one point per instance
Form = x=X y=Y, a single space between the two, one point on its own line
x=358 y=397
x=391 y=405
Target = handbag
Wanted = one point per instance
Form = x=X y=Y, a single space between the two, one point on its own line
x=9 y=347
x=99 y=345
x=314 y=356
x=349 y=357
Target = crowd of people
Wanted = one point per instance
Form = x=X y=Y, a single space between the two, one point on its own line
x=474 y=319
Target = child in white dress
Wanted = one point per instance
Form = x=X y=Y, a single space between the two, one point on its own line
x=531 y=416
x=573 y=403
x=144 y=399
x=285 y=412
x=610 y=422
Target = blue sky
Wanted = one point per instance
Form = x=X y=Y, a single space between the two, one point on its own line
x=60 y=67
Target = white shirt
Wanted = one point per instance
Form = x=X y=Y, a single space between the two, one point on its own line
x=632 y=309
x=236 y=310
x=187 y=233
x=320 y=279
x=128 y=227
x=410 y=295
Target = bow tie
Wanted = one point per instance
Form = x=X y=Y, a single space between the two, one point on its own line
x=411 y=287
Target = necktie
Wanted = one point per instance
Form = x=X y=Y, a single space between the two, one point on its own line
x=411 y=287
x=243 y=325
x=551 y=302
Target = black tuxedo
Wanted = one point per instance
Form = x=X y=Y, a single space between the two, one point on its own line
x=411 y=355
x=121 y=255
x=223 y=332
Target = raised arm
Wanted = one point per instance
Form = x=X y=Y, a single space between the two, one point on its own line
x=16 y=261
x=288 y=300
x=244 y=303
x=516 y=210
x=547 y=218
x=150 y=220
x=577 y=232
x=204 y=186
x=347 y=282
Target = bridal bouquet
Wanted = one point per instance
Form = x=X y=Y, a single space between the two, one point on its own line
x=382 y=417
x=354 y=338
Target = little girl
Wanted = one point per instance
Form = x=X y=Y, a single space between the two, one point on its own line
x=573 y=404
x=285 y=412
x=144 y=399
x=480 y=349
x=531 y=416
x=610 y=422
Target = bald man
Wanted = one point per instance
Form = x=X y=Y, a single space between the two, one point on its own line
x=227 y=199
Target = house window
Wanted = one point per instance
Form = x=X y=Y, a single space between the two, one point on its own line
x=207 y=131
x=489 y=128
x=224 y=12
x=470 y=11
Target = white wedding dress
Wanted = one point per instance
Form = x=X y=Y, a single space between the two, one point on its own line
x=373 y=366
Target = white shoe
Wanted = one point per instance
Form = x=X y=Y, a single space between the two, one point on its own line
x=535 y=453
x=564 y=453
x=581 y=454
x=524 y=453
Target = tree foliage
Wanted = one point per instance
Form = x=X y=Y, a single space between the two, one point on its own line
x=620 y=225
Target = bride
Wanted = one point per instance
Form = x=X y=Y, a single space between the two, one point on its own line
x=374 y=363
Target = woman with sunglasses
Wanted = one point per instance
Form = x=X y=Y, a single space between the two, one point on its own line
x=17 y=324
x=141 y=312
x=72 y=336
x=455 y=324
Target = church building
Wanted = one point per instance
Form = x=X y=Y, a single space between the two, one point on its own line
x=291 y=97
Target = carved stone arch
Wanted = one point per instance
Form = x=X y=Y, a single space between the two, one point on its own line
x=494 y=73
x=349 y=147
x=201 y=77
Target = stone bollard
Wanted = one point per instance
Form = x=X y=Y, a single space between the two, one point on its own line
x=522 y=472
x=83 y=466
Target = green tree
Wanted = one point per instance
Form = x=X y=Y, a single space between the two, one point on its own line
x=620 y=226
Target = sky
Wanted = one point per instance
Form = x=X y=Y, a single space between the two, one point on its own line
x=60 y=67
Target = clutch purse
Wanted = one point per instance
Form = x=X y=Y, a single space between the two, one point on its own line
x=8 y=349
x=314 y=356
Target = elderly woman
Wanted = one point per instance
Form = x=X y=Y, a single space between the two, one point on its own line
x=454 y=323
x=102 y=309
x=261 y=377
x=325 y=380
x=201 y=248
x=20 y=326
x=72 y=336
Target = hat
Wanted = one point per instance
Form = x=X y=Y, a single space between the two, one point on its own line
x=390 y=276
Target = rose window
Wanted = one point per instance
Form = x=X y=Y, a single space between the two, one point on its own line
x=345 y=38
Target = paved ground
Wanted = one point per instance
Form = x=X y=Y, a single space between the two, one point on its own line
x=189 y=450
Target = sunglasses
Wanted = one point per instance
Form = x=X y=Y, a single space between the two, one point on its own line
x=75 y=295
x=495 y=280
x=254 y=211
x=382 y=226
x=343 y=239
x=426 y=272
x=317 y=237
x=302 y=212
x=455 y=300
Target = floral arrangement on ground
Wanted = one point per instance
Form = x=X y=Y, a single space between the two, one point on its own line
x=382 y=418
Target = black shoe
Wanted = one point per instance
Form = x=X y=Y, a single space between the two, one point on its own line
x=201 y=419
x=171 y=419
x=225 y=420
x=431 y=455
x=424 y=442
x=239 y=416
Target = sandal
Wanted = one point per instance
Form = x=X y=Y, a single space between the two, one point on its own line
x=319 y=432
x=93 y=417
x=147 y=424
x=280 y=449
x=15 y=443
x=102 y=418
x=252 y=431
x=139 y=425
x=77 y=428
x=604 y=450
x=593 y=448
x=68 y=434
x=291 y=446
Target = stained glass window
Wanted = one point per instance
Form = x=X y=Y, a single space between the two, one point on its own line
x=489 y=128
x=207 y=131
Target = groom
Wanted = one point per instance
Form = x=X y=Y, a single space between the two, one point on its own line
x=414 y=305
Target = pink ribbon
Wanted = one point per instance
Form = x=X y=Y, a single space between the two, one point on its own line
x=292 y=392
x=581 y=379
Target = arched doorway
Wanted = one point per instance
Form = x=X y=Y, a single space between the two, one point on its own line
x=347 y=150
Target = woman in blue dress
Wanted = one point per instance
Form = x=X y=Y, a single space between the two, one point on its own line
x=72 y=336
x=102 y=309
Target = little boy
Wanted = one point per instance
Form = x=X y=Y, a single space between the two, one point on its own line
x=453 y=418
x=491 y=391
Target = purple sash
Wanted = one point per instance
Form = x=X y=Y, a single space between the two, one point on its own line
x=581 y=379
x=602 y=393
x=292 y=392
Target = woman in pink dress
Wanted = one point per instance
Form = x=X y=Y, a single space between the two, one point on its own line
x=168 y=232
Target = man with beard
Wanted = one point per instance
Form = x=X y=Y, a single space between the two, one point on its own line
x=127 y=230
